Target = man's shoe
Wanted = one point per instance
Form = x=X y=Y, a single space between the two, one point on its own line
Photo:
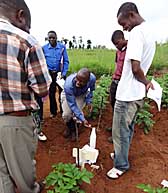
x=41 y=186
x=52 y=116
x=110 y=139
x=109 y=129
x=41 y=136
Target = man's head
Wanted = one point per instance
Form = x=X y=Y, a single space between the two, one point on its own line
x=128 y=16
x=17 y=12
x=52 y=38
x=82 y=77
x=118 y=39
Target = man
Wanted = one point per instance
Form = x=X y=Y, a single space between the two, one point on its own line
x=78 y=91
x=23 y=72
x=120 y=43
x=57 y=61
x=133 y=84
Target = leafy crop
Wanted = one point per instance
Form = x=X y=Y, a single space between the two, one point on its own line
x=144 y=118
x=67 y=178
x=100 y=95
x=148 y=188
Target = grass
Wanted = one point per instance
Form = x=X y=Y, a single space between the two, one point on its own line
x=102 y=61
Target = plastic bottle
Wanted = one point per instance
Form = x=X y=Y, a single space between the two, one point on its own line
x=93 y=138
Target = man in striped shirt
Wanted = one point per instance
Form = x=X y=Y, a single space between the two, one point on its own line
x=23 y=72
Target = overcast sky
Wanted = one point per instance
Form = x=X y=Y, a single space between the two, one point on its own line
x=92 y=19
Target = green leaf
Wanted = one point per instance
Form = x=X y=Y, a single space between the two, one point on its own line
x=86 y=179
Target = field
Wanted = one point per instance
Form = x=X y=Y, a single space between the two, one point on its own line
x=148 y=153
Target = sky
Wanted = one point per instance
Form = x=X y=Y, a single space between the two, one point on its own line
x=92 y=19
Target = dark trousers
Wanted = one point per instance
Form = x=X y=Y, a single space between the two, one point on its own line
x=113 y=89
x=40 y=103
x=52 y=91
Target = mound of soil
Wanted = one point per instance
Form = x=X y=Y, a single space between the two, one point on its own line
x=148 y=153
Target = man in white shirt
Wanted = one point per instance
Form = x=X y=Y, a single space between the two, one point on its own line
x=133 y=84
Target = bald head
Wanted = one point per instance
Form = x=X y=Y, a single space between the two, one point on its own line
x=82 y=77
x=17 y=12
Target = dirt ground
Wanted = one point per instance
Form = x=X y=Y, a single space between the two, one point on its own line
x=148 y=153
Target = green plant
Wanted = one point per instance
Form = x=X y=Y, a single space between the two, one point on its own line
x=144 y=118
x=100 y=95
x=67 y=178
x=148 y=188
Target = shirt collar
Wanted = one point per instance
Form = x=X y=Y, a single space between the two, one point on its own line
x=56 y=47
x=4 y=20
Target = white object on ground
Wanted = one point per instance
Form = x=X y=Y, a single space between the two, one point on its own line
x=60 y=81
x=93 y=138
x=155 y=94
x=86 y=155
x=164 y=183
x=42 y=137
x=95 y=166
x=112 y=155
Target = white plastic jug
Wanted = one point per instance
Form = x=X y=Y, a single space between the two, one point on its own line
x=93 y=138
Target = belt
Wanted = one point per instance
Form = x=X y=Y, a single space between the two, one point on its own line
x=116 y=81
x=53 y=71
x=19 y=113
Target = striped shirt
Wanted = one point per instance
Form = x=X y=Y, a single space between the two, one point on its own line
x=23 y=70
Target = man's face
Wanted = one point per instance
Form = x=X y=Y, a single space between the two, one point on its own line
x=52 y=38
x=126 y=22
x=119 y=43
x=80 y=80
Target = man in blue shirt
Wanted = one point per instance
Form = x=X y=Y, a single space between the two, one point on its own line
x=57 y=61
x=78 y=92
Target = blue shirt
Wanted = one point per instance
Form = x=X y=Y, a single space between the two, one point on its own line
x=71 y=92
x=56 y=58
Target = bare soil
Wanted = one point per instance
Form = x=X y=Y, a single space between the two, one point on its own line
x=148 y=153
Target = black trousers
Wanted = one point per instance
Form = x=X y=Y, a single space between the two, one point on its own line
x=52 y=91
x=113 y=89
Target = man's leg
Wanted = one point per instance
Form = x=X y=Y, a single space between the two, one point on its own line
x=19 y=142
x=122 y=132
x=52 y=92
x=59 y=98
x=6 y=183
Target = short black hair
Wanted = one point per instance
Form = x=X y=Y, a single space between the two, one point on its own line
x=9 y=6
x=51 y=31
x=117 y=34
x=125 y=8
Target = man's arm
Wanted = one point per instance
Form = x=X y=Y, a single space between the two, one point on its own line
x=139 y=74
x=65 y=62
x=71 y=100
x=38 y=76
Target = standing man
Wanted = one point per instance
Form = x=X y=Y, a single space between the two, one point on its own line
x=120 y=43
x=133 y=84
x=23 y=72
x=78 y=92
x=57 y=61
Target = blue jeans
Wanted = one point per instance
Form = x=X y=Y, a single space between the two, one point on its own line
x=122 y=131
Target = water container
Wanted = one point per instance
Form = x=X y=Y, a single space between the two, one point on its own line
x=93 y=138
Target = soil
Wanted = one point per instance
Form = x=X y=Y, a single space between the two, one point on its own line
x=148 y=153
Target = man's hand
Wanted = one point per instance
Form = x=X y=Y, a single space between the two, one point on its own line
x=149 y=85
x=89 y=107
x=63 y=77
x=86 y=123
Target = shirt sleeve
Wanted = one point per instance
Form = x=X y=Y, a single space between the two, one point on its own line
x=38 y=77
x=71 y=100
x=65 y=62
x=135 y=45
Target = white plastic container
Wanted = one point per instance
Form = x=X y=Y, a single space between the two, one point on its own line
x=93 y=138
